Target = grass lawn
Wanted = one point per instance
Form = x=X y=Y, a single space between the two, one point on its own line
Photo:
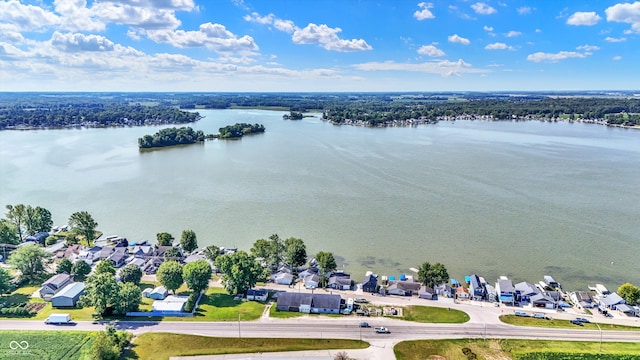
x=217 y=305
x=428 y=314
x=504 y=349
x=557 y=323
x=45 y=345
x=146 y=346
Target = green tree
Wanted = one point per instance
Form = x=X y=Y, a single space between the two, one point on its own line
x=131 y=273
x=432 y=275
x=172 y=254
x=8 y=233
x=17 y=215
x=102 y=348
x=127 y=299
x=295 y=252
x=271 y=251
x=169 y=274
x=211 y=252
x=196 y=275
x=105 y=266
x=240 y=272
x=326 y=262
x=37 y=220
x=164 y=239
x=188 y=241
x=82 y=223
x=29 y=260
x=5 y=281
x=630 y=293
x=261 y=249
x=100 y=291
x=80 y=270
x=64 y=266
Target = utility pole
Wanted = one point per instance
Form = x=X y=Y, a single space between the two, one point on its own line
x=239 y=335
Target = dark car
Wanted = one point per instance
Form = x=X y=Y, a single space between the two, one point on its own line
x=584 y=320
x=365 y=324
x=576 y=322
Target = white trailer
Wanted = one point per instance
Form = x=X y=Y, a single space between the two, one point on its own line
x=58 y=319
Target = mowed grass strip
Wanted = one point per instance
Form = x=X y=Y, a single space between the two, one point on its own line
x=165 y=345
x=44 y=345
x=436 y=315
x=505 y=349
x=558 y=323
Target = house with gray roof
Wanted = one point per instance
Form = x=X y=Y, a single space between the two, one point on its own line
x=476 y=288
x=68 y=296
x=309 y=303
x=543 y=300
x=54 y=284
x=370 y=283
x=426 y=292
x=404 y=287
x=582 y=299
x=339 y=283
x=505 y=291
x=611 y=301
x=525 y=290
x=283 y=278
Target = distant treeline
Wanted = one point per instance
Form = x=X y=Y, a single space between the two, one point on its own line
x=170 y=137
x=108 y=109
x=239 y=130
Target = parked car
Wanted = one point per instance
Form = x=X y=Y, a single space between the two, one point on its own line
x=521 y=313
x=576 y=322
x=608 y=314
x=360 y=300
x=541 y=316
x=584 y=320
x=382 y=330
x=365 y=324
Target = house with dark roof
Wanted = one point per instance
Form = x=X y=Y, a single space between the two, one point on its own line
x=582 y=299
x=543 y=300
x=118 y=258
x=404 y=287
x=524 y=291
x=339 y=282
x=426 y=292
x=505 y=291
x=370 y=283
x=309 y=303
x=37 y=237
x=54 y=284
x=257 y=294
x=445 y=290
x=476 y=288
x=311 y=281
x=551 y=282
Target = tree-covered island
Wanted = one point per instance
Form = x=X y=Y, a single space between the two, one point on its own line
x=172 y=136
x=238 y=130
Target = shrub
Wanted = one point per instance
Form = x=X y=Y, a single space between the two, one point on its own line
x=191 y=302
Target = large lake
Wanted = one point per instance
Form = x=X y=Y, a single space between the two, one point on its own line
x=522 y=199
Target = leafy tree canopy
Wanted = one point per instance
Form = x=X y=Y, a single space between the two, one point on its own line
x=188 y=241
x=29 y=260
x=164 y=239
x=630 y=293
x=83 y=223
x=240 y=272
x=169 y=274
x=197 y=274
x=131 y=273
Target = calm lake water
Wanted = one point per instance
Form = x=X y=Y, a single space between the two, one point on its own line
x=521 y=199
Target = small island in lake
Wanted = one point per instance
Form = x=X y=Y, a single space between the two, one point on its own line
x=172 y=136
x=239 y=130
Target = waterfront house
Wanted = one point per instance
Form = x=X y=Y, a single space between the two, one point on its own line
x=492 y=296
x=339 y=282
x=476 y=288
x=403 y=287
x=37 y=237
x=463 y=293
x=505 y=290
x=370 y=283
x=257 y=294
x=626 y=309
x=582 y=299
x=445 y=290
x=118 y=258
x=68 y=296
x=543 y=300
x=309 y=303
x=54 y=284
x=307 y=272
x=283 y=278
x=311 y=281
x=142 y=251
x=524 y=291
x=425 y=292
x=611 y=301
x=72 y=251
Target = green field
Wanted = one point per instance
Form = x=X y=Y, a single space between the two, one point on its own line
x=557 y=323
x=146 y=346
x=508 y=349
x=428 y=314
x=44 y=345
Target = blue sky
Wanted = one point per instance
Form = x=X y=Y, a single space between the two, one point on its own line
x=322 y=45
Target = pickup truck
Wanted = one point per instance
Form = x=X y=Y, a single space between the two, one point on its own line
x=382 y=330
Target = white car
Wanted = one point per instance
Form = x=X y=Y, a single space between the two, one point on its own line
x=382 y=330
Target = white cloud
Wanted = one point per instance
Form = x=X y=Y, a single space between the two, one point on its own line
x=148 y=18
x=73 y=42
x=584 y=18
x=328 y=38
x=588 y=48
x=513 y=33
x=443 y=68
x=498 y=46
x=562 y=55
x=212 y=36
x=483 y=9
x=487 y=28
x=284 y=25
x=615 y=40
x=618 y=57
x=430 y=50
x=524 y=10
x=424 y=12
x=455 y=38
x=255 y=17
x=26 y=17
x=625 y=13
